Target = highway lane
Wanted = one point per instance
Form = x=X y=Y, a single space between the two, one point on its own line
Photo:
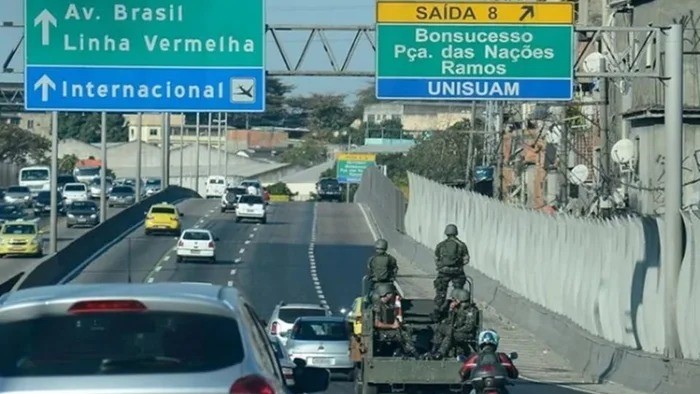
x=11 y=266
x=268 y=263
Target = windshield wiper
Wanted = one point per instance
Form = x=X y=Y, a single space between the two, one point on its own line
x=139 y=361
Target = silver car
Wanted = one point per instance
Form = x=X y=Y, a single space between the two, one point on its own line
x=285 y=361
x=20 y=195
x=322 y=342
x=139 y=338
x=284 y=315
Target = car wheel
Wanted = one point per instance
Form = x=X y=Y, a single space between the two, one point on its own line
x=179 y=259
x=238 y=220
x=147 y=232
x=69 y=225
x=212 y=260
x=178 y=233
x=223 y=210
x=2 y=256
x=263 y=220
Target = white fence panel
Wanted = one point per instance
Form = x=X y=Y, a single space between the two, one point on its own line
x=689 y=290
x=582 y=269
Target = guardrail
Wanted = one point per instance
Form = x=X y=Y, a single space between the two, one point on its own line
x=597 y=358
x=70 y=260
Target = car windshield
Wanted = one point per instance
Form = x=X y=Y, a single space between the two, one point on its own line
x=122 y=190
x=251 y=200
x=18 y=189
x=43 y=196
x=84 y=206
x=123 y=343
x=5 y=209
x=196 y=236
x=63 y=179
x=35 y=175
x=236 y=190
x=165 y=210
x=74 y=188
x=216 y=181
x=326 y=183
x=289 y=315
x=89 y=171
x=153 y=182
x=320 y=331
x=18 y=229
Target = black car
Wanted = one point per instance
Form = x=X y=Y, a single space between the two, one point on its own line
x=122 y=196
x=11 y=212
x=230 y=198
x=62 y=179
x=328 y=189
x=82 y=213
x=42 y=203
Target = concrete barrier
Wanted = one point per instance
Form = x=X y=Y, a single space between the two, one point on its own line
x=83 y=249
x=598 y=359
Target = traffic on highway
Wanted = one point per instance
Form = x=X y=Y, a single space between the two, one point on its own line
x=194 y=300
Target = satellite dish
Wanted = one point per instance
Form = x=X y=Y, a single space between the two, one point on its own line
x=553 y=136
x=578 y=174
x=623 y=151
x=591 y=64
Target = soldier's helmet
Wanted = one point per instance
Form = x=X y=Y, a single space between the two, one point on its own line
x=460 y=295
x=451 y=230
x=383 y=289
x=381 y=244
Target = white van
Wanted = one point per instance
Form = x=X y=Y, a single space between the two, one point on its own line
x=216 y=186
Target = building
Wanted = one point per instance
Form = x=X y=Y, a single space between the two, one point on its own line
x=151 y=126
x=36 y=122
x=418 y=116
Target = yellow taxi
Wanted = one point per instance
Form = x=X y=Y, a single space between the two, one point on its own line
x=163 y=218
x=355 y=315
x=21 y=238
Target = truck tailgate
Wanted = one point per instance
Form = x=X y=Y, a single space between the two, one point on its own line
x=384 y=370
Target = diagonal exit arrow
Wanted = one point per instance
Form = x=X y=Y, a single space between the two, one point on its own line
x=44 y=83
x=528 y=11
x=46 y=20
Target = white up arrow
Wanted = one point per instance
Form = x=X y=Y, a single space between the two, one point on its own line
x=44 y=83
x=45 y=19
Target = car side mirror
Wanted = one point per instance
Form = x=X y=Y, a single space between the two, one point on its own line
x=181 y=214
x=514 y=356
x=217 y=239
x=310 y=380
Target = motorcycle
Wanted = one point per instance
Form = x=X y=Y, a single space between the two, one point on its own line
x=490 y=379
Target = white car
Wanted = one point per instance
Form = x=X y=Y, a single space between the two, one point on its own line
x=252 y=208
x=196 y=244
x=216 y=186
x=75 y=192
x=284 y=315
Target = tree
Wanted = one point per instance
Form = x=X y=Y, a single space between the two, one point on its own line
x=322 y=113
x=86 y=127
x=22 y=147
x=67 y=163
x=365 y=96
x=443 y=157
x=308 y=154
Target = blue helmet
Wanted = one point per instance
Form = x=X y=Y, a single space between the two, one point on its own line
x=488 y=337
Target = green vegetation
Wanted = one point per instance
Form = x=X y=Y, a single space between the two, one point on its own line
x=22 y=147
x=86 y=127
x=279 y=189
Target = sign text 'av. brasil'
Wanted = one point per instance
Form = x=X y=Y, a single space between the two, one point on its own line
x=474 y=51
x=145 y=55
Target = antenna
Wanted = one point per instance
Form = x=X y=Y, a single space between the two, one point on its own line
x=623 y=151
x=578 y=174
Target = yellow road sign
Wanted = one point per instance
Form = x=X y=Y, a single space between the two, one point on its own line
x=512 y=13
x=356 y=156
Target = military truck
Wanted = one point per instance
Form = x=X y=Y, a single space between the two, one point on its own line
x=379 y=371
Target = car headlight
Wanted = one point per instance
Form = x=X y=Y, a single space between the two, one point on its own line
x=70 y=215
x=93 y=216
x=27 y=197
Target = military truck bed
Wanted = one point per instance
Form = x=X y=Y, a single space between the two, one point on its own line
x=393 y=370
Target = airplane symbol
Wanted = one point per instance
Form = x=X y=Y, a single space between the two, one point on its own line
x=243 y=90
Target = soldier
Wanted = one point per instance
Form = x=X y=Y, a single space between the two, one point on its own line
x=382 y=267
x=458 y=331
x=388 y=327
x=451 y=255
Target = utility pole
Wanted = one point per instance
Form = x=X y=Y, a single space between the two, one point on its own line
x=103 y=169
x=209 y=145
x=226 y=146
x=139 y=122
x=166 y=150
x=196 y=156
x=182 y=147
x=604 y=126
x=673 y=193
x=469 y=171
x=53 y=214
x=218 y=143
x=498 y=149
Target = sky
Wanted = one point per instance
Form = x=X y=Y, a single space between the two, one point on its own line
x=301 y=12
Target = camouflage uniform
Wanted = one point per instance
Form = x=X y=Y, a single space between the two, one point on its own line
x=382 y=268
x=385 y=313
x=458 y=331
x=451 y=255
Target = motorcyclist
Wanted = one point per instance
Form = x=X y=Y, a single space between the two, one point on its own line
x=488 y=355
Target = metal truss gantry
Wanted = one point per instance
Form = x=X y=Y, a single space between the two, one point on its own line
x=641 y=60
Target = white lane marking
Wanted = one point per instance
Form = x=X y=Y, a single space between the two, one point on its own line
x=238 y=260
x=312 y=261
x=255 y=228
x=241 y=251
x=247 y=241
x=230 y=283
x=211 y=211
x=166 y=258
x=233 y=272
x=151 y=279
x=158 y=268
x=251 y=235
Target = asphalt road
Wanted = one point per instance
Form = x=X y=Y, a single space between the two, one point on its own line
x=268 y=263
x=11 y=266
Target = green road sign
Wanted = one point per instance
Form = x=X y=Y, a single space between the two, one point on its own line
x=352 y=165
x=181 y=33
x=528 y=51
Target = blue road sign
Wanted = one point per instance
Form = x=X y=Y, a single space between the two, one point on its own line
x=119 y=89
